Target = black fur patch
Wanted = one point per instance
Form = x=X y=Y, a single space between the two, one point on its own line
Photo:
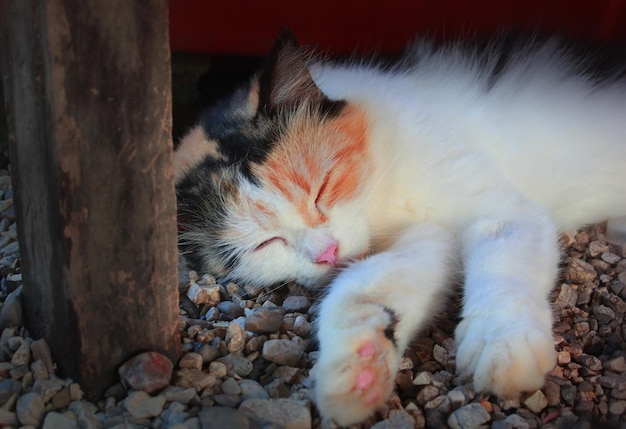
x=390 y=330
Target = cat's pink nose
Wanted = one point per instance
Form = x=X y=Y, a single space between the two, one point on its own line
x=328 y=256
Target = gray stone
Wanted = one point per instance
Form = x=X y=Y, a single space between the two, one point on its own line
x=468 y=417
x=86 y=414
x=48 y=388
x=11 y=312
x=613 y=381
x=206 y=294
x=282 y=352
x=208 y=352
x=426 y=394
x=265 y=320
x=191 y=360
x=174 y=415
x=290 y=413
x=237 y=363
x=235 y=338
x=226 y=400
x=224 y=417
x=141 y=405
x=398 y=419
x=148 y=371
x=536 y=402
x=9 y=388
x=41 y=351
x=231 y=387
x=55 y=420
x=423 y=378
x=251 y=389
x=567 y=296
x=190 y=377
x=295 y=303
x=230 y=310
x=457 y=399
x=579 y=271
x=21 y=355
x=590 y=361
x=617 y=364
x=617 y=407
x=8 y=418
x=302 y=327
x=30 y=409
x=179 y=394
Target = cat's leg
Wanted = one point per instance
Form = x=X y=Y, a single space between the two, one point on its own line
x=505 y=338
x=372 y=310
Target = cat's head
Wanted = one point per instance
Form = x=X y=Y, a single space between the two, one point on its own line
x=270 y=183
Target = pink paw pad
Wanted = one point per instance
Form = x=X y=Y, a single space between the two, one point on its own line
x=367 y=350
x=364 y=379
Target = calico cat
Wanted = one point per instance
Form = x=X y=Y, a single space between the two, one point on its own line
x=384 y=184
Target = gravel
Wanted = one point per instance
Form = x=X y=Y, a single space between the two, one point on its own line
x=248 y=352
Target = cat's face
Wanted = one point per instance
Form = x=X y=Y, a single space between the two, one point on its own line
x=270 y=184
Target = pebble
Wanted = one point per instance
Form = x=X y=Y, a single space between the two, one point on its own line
x=251 y=389
x=468 y=417
x=8 y=418
x=56 y=420
x=398 y=419
x=536 y=402
x=290 y=413
x=30 y=409
x=231 y=387
x=191 y=360
x=148 y=371
x=579 y=272
x=426 y=394
x=513 y=421
x=282 y=352
x=11 y=312
x=230 y=310
x=457 y=399
x=302 y=327
x=191 y=377
x=204 y=295
x=567 y=296
x=85 y=412
x=209 y=353
x=235 y=338
x=41 y=352
x=617 y=364
x=264 y=320
x=422 y=378
x=141 y=405
x=296 y=303
x=224 y=417
x=218 y=369
x=179 y=394
x=237 y=363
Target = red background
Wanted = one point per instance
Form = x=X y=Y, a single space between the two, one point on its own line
x=356 y=26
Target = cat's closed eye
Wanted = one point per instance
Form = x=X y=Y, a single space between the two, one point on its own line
x=268 y=242
x=320 y=193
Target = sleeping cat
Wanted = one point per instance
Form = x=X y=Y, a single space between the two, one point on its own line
x=384 y=184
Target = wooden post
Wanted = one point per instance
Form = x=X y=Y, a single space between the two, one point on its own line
x=87 y=89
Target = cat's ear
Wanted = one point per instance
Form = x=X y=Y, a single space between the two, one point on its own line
x=286 y=82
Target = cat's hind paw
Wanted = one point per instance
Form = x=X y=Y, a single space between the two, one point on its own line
x=506 y=357
x=355 y=376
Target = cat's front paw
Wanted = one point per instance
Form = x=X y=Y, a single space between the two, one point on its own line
x=507 y=353
x=355 y=372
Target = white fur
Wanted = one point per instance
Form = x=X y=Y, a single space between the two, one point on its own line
x=502 y=171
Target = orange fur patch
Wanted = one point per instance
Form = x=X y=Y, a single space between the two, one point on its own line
x=329 y=158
